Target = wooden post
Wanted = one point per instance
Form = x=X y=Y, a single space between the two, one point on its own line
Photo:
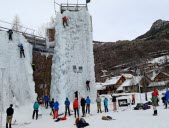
x=67 y=4
x=77 y=5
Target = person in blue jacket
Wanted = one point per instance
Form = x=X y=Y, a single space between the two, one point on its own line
x=21 y=50
x=35 y=107
x=67 y=108
x=46 y=99
x=106 y=104
x=51 y=103
x=56 y=109
x=88 y=105
x=166 y=98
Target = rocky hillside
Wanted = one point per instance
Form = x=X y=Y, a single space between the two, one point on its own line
x=151 y=44
x=159 y=29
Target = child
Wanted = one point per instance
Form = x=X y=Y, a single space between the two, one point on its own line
x=106 y=104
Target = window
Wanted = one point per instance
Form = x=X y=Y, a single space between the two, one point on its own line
x=51 y=35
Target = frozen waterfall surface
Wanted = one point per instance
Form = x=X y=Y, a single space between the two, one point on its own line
x=18 y=87
x=73 y=46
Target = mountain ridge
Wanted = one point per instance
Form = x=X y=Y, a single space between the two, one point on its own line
x=147 y=46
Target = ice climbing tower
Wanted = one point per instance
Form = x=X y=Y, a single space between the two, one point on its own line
x=73 y=60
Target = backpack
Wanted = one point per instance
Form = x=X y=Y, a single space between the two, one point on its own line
x=104 y=118
x=136 y=108
x=139 y=106
x=81 y=123
x=149 y=107
x=145 y=106
x=82 y=120
x=77 y=120
x=109 y=118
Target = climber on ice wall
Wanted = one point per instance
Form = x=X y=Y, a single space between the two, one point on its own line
x=10 y=32
x=21 y=50
x=33 y=67
x=64 y=19
x=87 y=85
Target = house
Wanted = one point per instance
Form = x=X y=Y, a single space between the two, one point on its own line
x=158 y=85
x=161 y=76
x=159 y=80
x=148 y=66
x=151 y=66
x=111 y=84
x=101 y=89
x=105 y=75
x=119 y=82
x=128 y=70
x=151 y=75
x=131 y=84
x=153 y=79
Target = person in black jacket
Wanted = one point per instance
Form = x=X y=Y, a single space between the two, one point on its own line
x=87 y=85
x=51 y=103
x=9 y=112
x=83 y=102
x=164 y=101
x=114 y=102
x=76 y=94
x=10 y=32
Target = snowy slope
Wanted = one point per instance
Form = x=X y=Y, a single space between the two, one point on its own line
x=18 y=85
x=160 y=60
x=73 y=46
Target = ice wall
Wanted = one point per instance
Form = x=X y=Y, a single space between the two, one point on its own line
x=74 y=46
x=18 y=85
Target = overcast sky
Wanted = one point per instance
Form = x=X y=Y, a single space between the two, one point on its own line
x=112 y=19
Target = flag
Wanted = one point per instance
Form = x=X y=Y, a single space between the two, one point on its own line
x=87 y=1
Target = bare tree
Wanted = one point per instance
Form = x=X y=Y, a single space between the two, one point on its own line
x=42 y=30
x=16 y=25
x=52 y=20
x=44 y=26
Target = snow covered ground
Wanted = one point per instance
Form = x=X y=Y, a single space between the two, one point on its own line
x=126 y=117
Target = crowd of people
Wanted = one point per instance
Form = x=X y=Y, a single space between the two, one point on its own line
x=85 y=106
x=54 y=106
x=83 y=102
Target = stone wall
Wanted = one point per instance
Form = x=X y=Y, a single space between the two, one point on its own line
x=42 y=73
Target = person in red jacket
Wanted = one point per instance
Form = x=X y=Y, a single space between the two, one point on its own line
x=64 y=19
x=154 y=101
x=76 y=107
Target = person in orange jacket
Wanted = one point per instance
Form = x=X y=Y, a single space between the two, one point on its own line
x=76 y=107
x=64 y=19
x=133 y=99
